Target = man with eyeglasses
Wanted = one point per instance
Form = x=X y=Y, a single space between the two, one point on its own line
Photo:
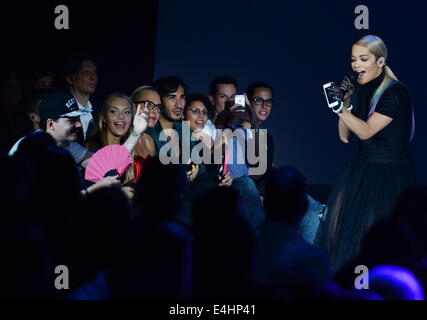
x=82 y=78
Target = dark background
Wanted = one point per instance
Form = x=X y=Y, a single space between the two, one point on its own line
x=296 y=46
x=120 y=36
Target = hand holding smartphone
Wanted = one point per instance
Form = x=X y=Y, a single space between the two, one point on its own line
x=332 y=94
x=224 y=168
x=337 y=96
x=240 y=99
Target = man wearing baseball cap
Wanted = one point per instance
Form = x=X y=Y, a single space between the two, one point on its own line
x=60 y=117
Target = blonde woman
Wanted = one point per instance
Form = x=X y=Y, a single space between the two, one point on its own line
x=114 y=126
x=382 y=120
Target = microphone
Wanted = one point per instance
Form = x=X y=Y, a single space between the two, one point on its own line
x=353 y=79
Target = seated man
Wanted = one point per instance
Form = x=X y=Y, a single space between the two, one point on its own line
x=283 y=258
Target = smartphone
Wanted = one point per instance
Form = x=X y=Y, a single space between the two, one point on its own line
x=330 y=97
x=224 y=168
x=240 y=99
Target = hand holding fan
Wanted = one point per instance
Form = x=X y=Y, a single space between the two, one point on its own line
x=110 y=160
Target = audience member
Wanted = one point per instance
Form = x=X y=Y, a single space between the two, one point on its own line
x=411 y=208
x=81 y=76
x=63 y=127
x=114 y=127
x=103 y=244
x=163 y=242
x=172 y=93
x=389 y=241
x=32 y=112
x=395 y=283
x=238 y=174
x=260 y=96
x=145 y=149
x=12 y=117
x=43 y=79
x=157 y=183
x=283 y=258
x=221 y=91
x=196 y=114
x=223 y=249
x=53 y=201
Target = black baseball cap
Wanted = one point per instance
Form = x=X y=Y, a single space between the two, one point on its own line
x=60 y=105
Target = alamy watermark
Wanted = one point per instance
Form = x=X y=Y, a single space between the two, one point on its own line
x=362 y=20
x=62 y=21
x=362 y=280
x=245 y=146
x=62 y=281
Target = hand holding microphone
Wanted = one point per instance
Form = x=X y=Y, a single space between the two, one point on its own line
x=340 y=97
x=347 y=89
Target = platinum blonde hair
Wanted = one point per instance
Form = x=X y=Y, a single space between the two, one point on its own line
x=378 y=48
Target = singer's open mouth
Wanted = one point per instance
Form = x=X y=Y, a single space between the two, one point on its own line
x=361 y=73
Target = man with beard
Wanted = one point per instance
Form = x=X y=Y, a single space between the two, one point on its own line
x=172 y=93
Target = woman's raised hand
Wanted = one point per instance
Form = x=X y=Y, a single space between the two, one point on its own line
x=141 y=119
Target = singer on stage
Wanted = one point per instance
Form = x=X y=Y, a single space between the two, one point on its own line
x=383 y=121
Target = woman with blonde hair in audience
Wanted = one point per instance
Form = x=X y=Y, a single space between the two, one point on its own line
x=115 y=126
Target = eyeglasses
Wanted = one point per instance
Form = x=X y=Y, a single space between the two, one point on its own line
x=261 y=101
x=150 y=104
x=197 y=111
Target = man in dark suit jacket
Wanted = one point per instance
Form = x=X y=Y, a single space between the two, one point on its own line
x=81 y=76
